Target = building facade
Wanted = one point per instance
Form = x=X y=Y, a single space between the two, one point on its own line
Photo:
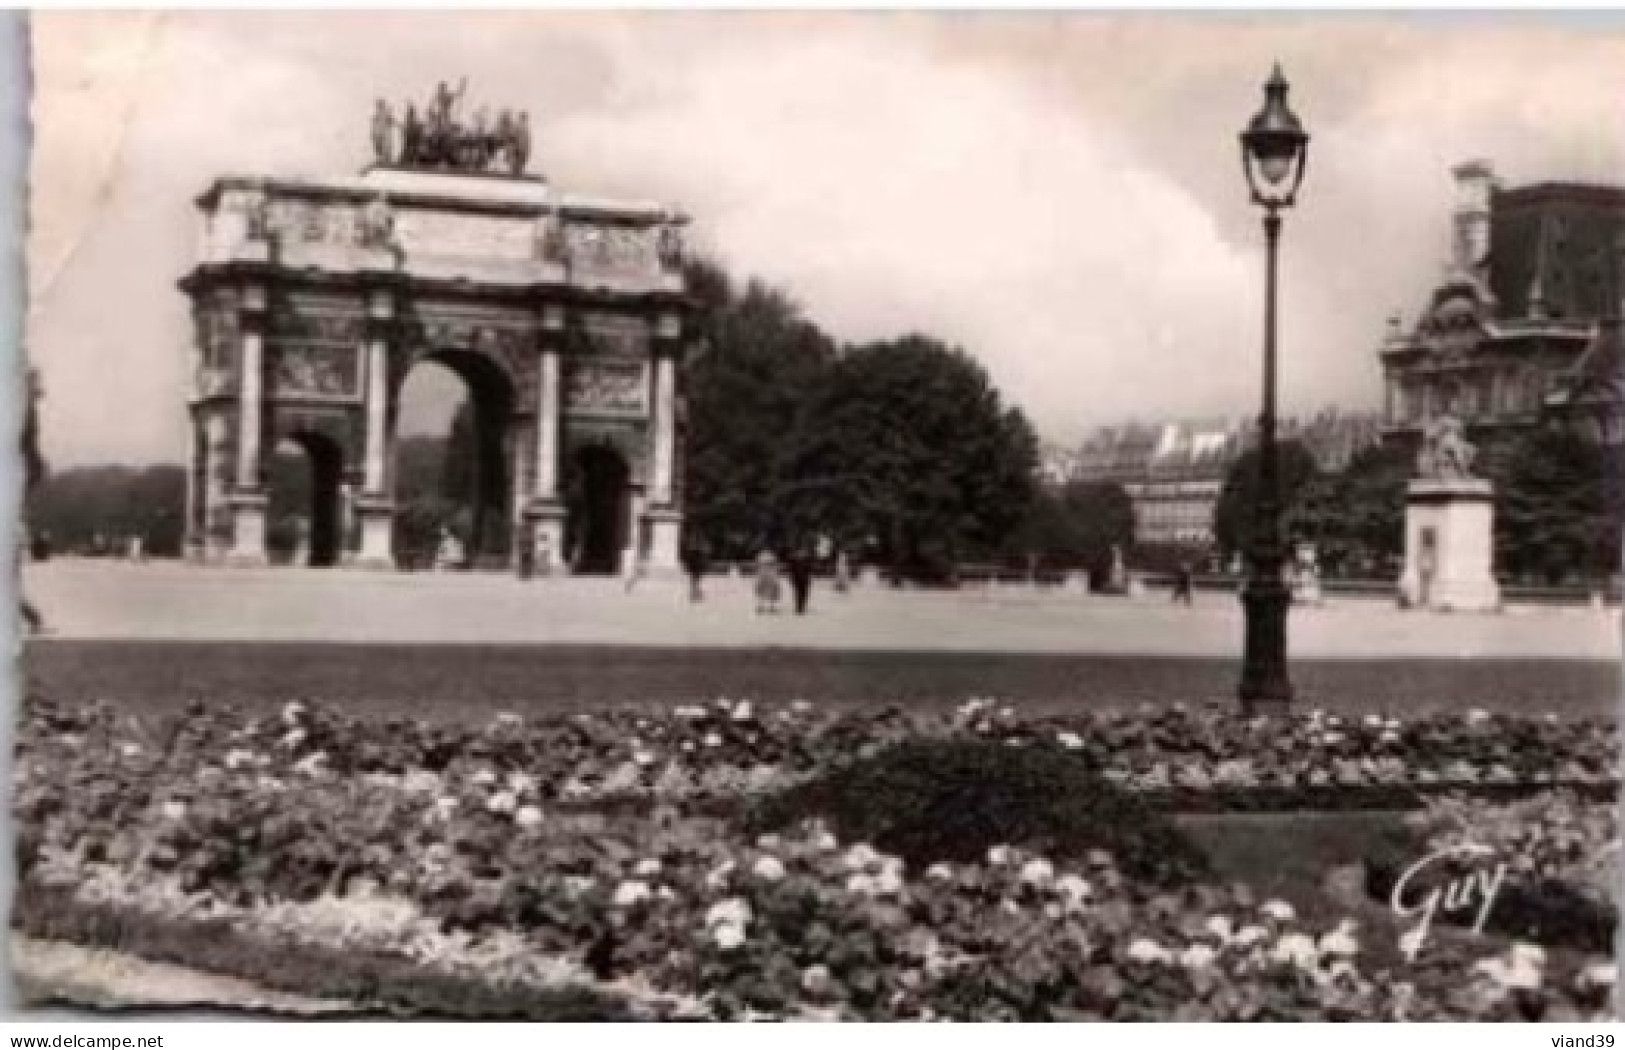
x=1523 y=321
x=1174 y=471
x=566 y=317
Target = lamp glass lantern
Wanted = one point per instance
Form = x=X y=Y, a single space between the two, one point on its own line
x=1274 y=148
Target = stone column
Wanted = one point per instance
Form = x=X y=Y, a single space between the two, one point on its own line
x=374 y=507
x=545 y=513
x=665 y=431
x=665 y=518
x=547 y=422
x=247 y=497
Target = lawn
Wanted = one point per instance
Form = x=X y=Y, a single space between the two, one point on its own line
x=473 y=682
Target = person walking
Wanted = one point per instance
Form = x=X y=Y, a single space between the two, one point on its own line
x=1183 y=584
x=767 y=584
x=694 y=566
x=801 y=579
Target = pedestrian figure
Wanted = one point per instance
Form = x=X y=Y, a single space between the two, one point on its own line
x=694 y=566
x=800 y=566
x=843 y=573
x=767 y=583
x=633 y=568
x=1183 y=584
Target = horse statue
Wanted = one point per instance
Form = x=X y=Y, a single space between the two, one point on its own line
x=1446 y=454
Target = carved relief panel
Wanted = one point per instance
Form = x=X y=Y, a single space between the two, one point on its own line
x=606 y=366
x=313 y=351
x=625 y=251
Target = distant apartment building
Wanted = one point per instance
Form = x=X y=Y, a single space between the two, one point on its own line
x=1524 y=322
x=1173 y=471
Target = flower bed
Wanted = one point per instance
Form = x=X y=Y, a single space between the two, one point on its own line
x=481 y=871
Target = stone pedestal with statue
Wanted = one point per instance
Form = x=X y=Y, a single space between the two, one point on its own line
x=1449 y=529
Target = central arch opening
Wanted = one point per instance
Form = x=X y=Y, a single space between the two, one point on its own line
x=598 y=499
x=454 y=417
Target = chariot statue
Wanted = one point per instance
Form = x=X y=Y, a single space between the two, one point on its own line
x=1446 y=454
x=438 y=137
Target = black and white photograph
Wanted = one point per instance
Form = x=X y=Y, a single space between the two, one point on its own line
x=975 y=516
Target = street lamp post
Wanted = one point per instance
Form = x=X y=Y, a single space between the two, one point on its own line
x=1274 y=152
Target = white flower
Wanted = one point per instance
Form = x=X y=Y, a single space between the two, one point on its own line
x=630 y=892
x=768 y=869
x=174 y=810
x=1477 y=715
x=236 y=758
x=815 y=980
x=1533 y=954
x=292 y=739
x=712 y=739
x=717 y=877
x=1070 y=741
x=648 y=867
x=743 y=712
x=1198 y=956
x=1297 y=949
x=735 y=911
x=1248 y=936
x=825 y=842
x=1278 y=910
x=1410 y=942
x=311 y=764
x=519 y=783
x=484 y=777
x=292 y=711
x=420 y=781
x=689 y=712
x=889 y=883
x=999 y=856
x=446 y=805
x=1075 y=888
x=1341 y=941
x=527 y=816
x=1221 y=928
x=1600 y=974
x=1038 y=872
x=800 y=707
x=1147 y=951
x=502 y=802
x=861 y=883
x=860 y=857
x=130 y=749
x=940 y=871
x=727 y=936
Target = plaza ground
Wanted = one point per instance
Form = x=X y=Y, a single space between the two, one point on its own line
x=156 y=635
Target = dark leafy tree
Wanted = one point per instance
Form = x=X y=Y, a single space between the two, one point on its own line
x=1076 y=526
x=1303 y=499
x=1365 y=532
x=749 y=393
x=98 y=509
x=918 y=456
x=1558 y=508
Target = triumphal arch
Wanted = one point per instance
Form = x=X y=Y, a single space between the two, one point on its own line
x=565 y=315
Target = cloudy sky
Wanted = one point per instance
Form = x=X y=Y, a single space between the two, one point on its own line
x=1059 y=194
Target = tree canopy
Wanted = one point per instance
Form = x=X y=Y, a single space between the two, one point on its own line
x=1303 y=498
x=901 y=449
x=1558 y=508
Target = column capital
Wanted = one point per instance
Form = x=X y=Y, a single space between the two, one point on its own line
x=552 y=319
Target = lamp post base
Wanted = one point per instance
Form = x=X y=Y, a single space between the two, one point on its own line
x=1265 y=688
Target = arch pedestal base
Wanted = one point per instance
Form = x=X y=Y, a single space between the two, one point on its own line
x=375 y=516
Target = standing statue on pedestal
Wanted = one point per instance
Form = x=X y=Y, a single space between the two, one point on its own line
x=383 y=134
x=1449 y=527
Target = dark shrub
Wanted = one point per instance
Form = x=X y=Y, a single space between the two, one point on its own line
x=952 y=800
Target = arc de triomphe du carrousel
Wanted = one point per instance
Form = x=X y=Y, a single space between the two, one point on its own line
x=565 y=316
